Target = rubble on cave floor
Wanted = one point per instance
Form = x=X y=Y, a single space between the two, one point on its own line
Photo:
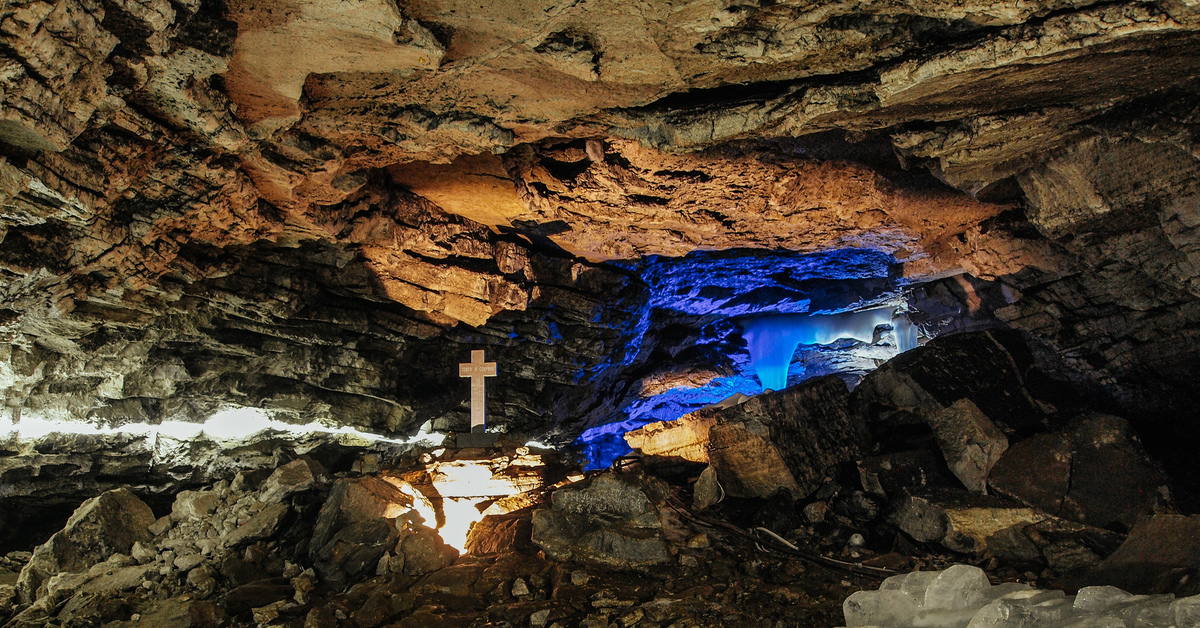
x=299 y=547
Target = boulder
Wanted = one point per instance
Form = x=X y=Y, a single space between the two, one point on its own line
x=261 y=526
x=190 y=505
x=977 y=524
x=293 y=477
x=707 y=491
x=811 y=425
x=969 y=441
x=747 y=464
x=257 y=594
x=1094 y=472
x=102 y=526
x=501 y=533
x=176 y=613
x=778 y=440
x=423 y=550
x=1067 y=548
x=1035 y=471
x=353 y=500
x=355 y=550
x=1161 y=555
x=611 y=520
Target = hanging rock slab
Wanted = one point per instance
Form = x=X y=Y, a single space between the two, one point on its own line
x=985 y=367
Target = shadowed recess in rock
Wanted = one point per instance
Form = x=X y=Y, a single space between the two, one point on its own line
x=691 y=347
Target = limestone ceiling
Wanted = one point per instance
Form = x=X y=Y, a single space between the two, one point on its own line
x=171 y=168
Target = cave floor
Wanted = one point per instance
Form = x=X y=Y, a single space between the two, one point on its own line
x=729 y=583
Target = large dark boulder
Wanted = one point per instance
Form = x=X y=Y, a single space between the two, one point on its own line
x=353 y=500
x=355 y=550
x=1161 y=555
x=102 y=526
x=1093 y=472
x=612 y=520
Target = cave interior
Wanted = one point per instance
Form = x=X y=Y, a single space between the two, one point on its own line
x=868 y=287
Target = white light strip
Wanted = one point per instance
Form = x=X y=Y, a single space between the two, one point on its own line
x=231 y=424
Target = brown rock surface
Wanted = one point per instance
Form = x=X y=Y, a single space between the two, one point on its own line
x=622 y=201
x=1094 y=472
x=747 y=462
x=1160 y=556
x=809 y=424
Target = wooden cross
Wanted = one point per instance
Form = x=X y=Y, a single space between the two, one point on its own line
x=477 y=370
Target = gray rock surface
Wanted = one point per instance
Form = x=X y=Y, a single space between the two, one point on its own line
x=293 y=477
x=355 y=550
x=100 y=527
x=261 y=525
x=613 y=521
x=969 y=441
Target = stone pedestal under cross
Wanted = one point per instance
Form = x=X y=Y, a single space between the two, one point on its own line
x=477 y=370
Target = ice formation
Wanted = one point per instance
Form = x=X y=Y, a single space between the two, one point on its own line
x=962 y=597
x=773 y=340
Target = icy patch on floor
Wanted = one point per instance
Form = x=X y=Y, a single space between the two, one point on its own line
x=962 y=597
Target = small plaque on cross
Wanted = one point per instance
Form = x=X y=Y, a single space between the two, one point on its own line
x=477 y=370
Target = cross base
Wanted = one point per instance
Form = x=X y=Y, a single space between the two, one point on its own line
x=473 y=440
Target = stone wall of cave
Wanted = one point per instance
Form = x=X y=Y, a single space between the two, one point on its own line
x=207 y=205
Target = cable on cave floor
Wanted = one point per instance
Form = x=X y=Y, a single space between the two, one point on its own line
x=772 y=543
x=768 y=542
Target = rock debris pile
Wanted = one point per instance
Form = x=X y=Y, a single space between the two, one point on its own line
x=306 y=549
x=960 y=451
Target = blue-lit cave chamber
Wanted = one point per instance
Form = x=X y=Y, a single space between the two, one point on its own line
x=722 y=326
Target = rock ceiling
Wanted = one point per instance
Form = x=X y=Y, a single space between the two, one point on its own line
x=317 y=206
